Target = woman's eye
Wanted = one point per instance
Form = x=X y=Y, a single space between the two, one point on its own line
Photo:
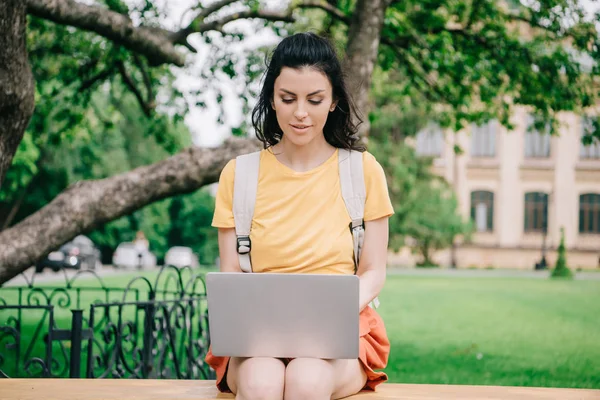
x=313 y=102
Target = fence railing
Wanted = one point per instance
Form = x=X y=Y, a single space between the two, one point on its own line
x=84 y=328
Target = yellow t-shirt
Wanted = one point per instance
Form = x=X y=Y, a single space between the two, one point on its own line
x=300 y=222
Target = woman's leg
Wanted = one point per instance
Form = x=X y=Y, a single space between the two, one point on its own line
x=256 y=378
x=316 y=379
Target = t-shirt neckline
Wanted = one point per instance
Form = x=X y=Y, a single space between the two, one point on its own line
x=284 y=168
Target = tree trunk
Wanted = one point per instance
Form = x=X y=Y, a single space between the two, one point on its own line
x=425 y=247
x=88 y=204
x=361 y=53
x=16 y=81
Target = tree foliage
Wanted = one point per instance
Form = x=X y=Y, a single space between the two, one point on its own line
x=478 y=60
x=561 y=270
x=426 y=214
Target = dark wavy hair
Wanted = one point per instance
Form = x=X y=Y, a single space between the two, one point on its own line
x=308 y=50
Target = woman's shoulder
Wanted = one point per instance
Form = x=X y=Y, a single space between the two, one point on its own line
x=229 y=169
x=370 y=163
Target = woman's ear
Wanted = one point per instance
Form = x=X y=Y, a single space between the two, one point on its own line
x=333 y=106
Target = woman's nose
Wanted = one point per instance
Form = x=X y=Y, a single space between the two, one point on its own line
x=300 y=113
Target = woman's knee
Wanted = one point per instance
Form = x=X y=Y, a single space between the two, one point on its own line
x=257 y=378
x=307 y=378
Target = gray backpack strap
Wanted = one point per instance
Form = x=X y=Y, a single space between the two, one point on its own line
x=245 y=185
x=352 y=182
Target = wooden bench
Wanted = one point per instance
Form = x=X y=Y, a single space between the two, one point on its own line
x=132 y=389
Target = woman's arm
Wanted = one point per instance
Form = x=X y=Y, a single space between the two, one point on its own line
x=228 y=250
x=373 y=260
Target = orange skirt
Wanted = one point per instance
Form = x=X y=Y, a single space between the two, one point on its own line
x=374 y=350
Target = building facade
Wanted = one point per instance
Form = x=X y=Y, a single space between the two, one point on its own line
x=520 y=188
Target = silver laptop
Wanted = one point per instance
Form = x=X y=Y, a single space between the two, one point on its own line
x=283 y=315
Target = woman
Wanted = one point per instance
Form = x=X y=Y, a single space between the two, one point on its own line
x=300 y=224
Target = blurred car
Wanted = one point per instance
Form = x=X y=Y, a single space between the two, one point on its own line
x=79 y=253
x=180 y=256
x=128 y=255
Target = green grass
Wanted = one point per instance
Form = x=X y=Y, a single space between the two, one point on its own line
x=482 y=331
x=477 y=331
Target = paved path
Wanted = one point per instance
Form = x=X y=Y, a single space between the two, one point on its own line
x=61 y=276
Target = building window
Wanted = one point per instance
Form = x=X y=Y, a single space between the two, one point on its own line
x=537 y=144
x=536 y=212
x=483 y=139
x=430 y=141
x=589 y=213
x=482 y=210
x=589 y=151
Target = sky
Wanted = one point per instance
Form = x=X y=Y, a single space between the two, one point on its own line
x=202 y=122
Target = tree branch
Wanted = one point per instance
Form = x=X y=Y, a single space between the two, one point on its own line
x=158 y=45
x=217 y=25
x=146 y=77
x=196 y=22
x=154 y=43
x=146 y=107
x=325 y=6
x=89 y=204
x=102 y=75
x=568 y=33
x=216 y=6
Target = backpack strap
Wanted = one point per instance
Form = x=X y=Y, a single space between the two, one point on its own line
x=245 y=185
x=352 y=182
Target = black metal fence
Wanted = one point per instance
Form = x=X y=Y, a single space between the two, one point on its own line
x=84 y=328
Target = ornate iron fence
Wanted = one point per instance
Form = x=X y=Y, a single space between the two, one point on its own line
x=84 y=328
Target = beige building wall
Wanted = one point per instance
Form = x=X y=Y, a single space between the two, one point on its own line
x=509 y=174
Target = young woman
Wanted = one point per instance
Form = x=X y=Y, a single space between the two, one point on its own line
x=301 y=225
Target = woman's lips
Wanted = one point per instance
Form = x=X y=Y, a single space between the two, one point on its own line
x=300 y=128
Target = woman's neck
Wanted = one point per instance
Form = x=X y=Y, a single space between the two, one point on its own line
x=303 y=158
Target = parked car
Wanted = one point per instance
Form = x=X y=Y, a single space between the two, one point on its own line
x=128 y=255
x=180 y=256
x=79 y=253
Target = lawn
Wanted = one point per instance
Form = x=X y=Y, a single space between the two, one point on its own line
x=483 y=331
x=479 y=331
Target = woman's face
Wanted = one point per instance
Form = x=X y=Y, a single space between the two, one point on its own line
x=303 y=99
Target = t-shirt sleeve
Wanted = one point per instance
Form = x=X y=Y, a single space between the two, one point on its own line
x=378 y=203
x=223 y=216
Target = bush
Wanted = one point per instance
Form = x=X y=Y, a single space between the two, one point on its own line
x=427 y=264
x=560 y=269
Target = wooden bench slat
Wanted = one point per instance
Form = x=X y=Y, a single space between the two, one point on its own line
x=152 y=389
